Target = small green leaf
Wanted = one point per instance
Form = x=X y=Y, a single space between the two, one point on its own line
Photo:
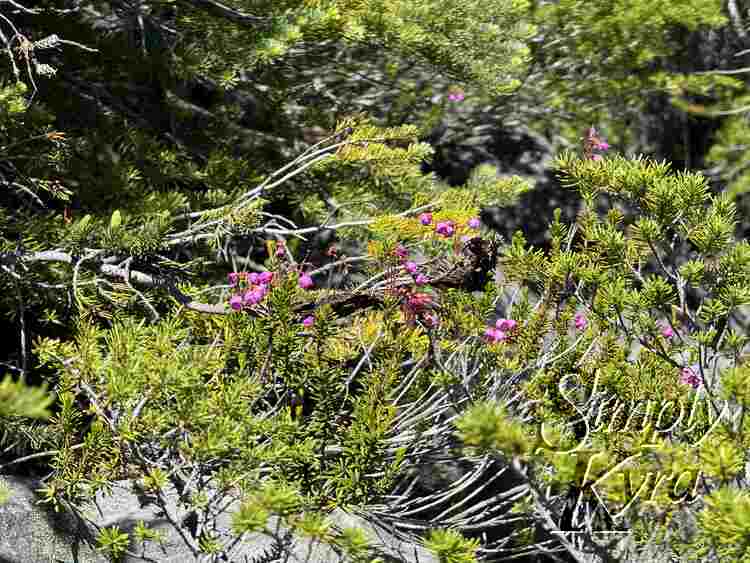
x=116 y=219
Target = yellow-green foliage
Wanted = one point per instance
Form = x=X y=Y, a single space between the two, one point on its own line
x=18 y=399
x=724 y=525
x=451 y=547
x=296 y=419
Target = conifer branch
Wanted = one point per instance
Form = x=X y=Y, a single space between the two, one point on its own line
x=220 y=10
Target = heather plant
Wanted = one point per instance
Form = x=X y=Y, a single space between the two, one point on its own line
x=181 y=396
x=595 y=387
x=339 y=412
x=626 y=415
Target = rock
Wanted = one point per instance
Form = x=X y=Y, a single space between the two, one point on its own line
x=123 y=509
x=32 y=533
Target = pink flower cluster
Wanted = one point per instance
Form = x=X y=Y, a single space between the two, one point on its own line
x=666 y=331
x=401 y=251
x=456 y=96
x=305 y=281
x=594 y=143
x=418 y=306
x=415 y=305
x=689 y=377
x=580 y=321
x=499 y=332
x=445 y=228
x=448 y=228
x=250 y=288
x=411 y=267
x=280 y=249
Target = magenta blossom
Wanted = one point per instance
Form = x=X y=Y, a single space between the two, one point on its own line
x=421 y=279
x=445 y=228
x=410 y=267
x=305 y=281
x=401 y=251
x=235 y=302
x=493 y=335
x=265 y=277
x=307 y=322
x=597 y=157
x=602 y=146
x=254 y=296
x=425 y=218
x=280 y=249
x=234 y=277
x=456 y=96
x=580 y=321
x=474 y=223
x=505 y=325
x=252 y=278
x=689 y=377
x=667 y=331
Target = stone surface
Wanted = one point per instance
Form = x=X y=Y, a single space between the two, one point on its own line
x=30 y=533
x=123 y=509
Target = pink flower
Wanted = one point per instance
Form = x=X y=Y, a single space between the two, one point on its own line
x=667 y=331
x=280 y=249
x=265 y=277
x=307 y=322
x=252 y=278
x=425 y=218
x=235 y=302
x=233 y=278
x=410 y=267
x=493 y=334
x=597 y=157
x=421 y=279
x=580 y=321
x=431 y=319
x=602 y=146
x=456 y=96
x=401 y=251
x=254 y=296
x=417 y=302
x=305 y=281
x=505 y=325
x=474 y=223
x=689 y=377
x=446 y=228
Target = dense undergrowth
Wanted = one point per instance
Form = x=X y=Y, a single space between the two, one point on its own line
x=227 y=275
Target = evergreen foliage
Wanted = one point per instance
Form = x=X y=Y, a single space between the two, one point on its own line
x=170 y=170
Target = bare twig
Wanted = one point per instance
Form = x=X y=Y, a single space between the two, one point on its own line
x=38 y=455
